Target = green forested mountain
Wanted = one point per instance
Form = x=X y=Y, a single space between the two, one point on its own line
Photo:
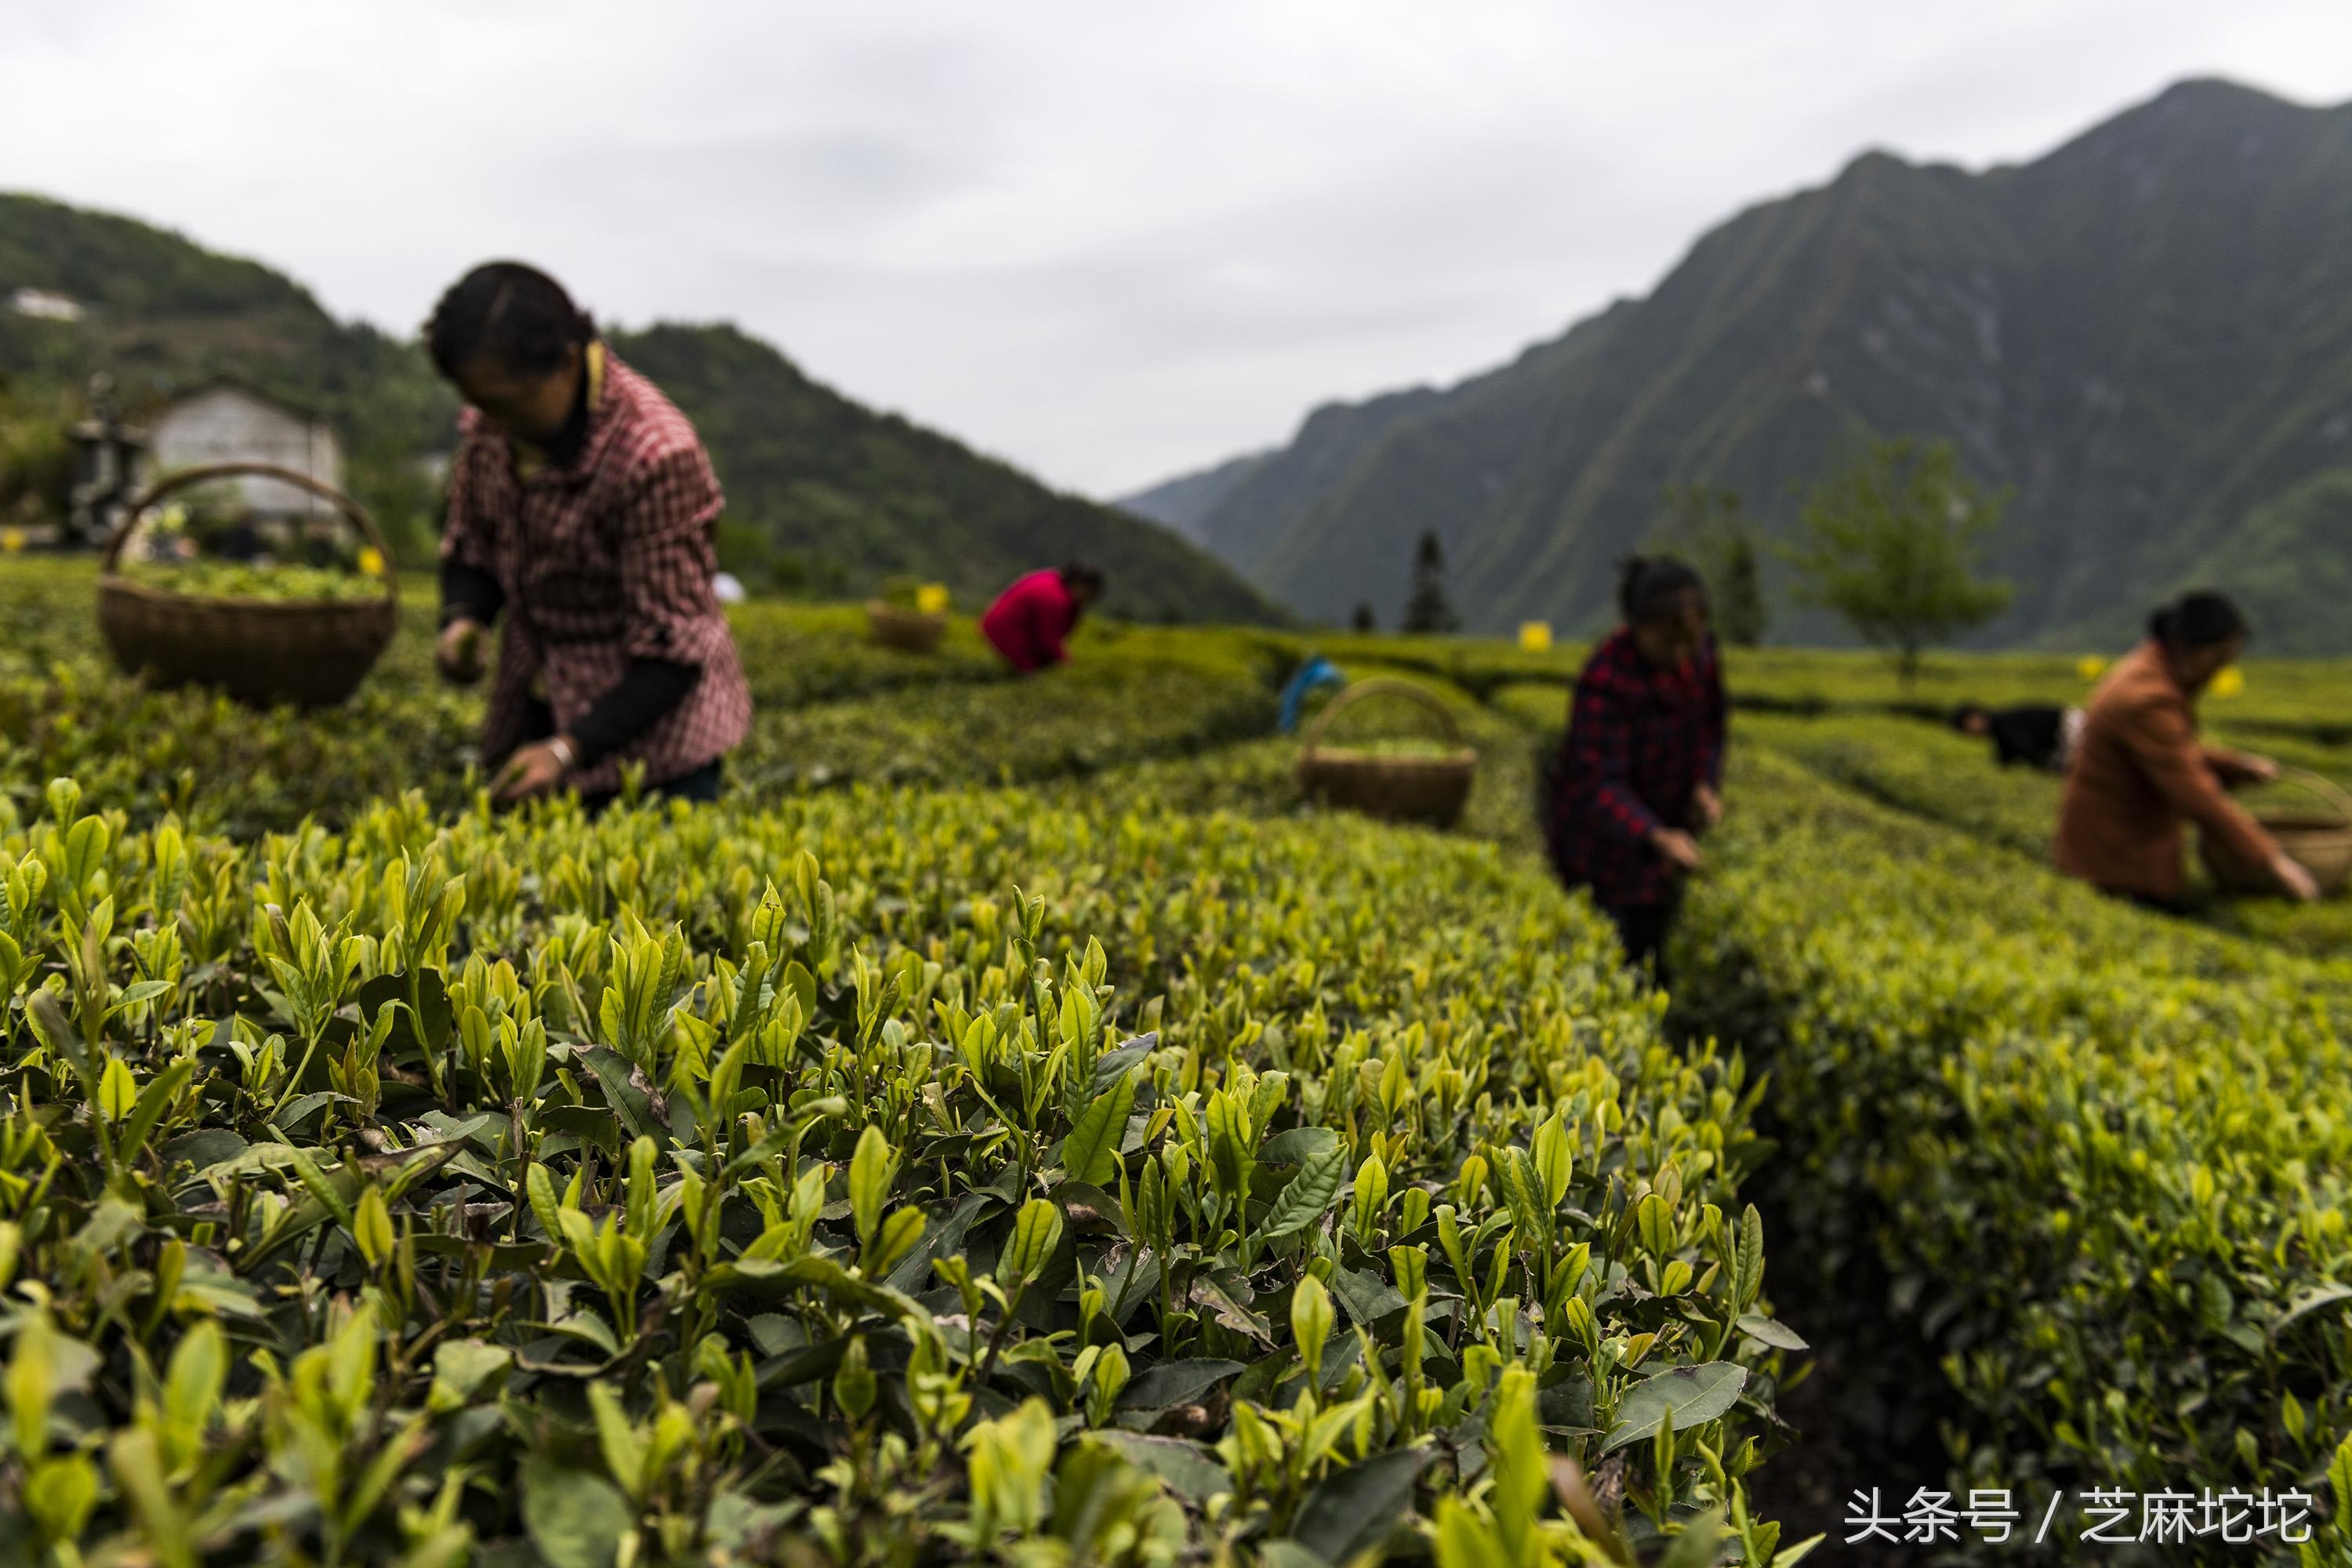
x=822 y=492
x=825 y=491
x=1182 y=502
x=163 y=313
x=2147 y=335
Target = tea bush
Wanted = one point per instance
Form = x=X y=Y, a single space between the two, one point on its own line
x=226 y=768
x=2103 y=1153
x=785 y=1184
x=384 y=1180
x=1099 y=714
x=2297 y=699
x=831 y=706
x=1950 y=778
x=1261 y=777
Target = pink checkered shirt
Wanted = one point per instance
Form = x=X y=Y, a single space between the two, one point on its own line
x=602 y=561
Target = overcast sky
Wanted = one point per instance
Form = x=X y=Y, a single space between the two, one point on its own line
x=1107 y=240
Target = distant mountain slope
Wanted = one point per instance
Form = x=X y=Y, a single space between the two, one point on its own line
x=821 y=490
x=864 y=495
x=2147 y=333
x=1181 y=503
x=165 y=313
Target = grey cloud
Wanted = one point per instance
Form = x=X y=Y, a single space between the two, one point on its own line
x=1104 y=242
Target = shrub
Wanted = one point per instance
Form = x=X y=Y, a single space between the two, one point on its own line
x=2100 y=1152
x=1950 y=779
x=720 y=1184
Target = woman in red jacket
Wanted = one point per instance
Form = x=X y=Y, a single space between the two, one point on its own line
x=1642 y=769
x=1030 y=620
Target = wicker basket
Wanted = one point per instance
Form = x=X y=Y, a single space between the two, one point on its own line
x=910 y=631
x=2321 y=843
x=312 y=653
x=1403 y=789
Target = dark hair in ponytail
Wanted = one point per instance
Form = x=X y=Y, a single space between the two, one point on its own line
x=2198 y=619
x=514 y=316
x=1649 y=587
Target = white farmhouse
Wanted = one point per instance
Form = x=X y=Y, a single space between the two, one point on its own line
x=46 y=304
x=226 y=421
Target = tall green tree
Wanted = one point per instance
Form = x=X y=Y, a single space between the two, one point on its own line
x=1707 y=524
x=1891 y=541
x=1429 y=610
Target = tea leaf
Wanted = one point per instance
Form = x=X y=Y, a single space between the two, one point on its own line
x=1036 y=1232
x=1696 y=1395
x=1089 y=1153
x=575 y=1520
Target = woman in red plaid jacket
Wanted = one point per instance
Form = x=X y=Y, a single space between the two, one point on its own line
x=1641 y=771
x=581 y=511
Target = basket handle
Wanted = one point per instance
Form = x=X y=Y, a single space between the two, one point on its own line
x=179 y=479
x=1379 y=686
x=2321 y=785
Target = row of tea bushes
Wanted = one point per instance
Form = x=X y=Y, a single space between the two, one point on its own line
x=830 y=706
x=1261 y=777
x=800 y=653
x=877 y=1177
x=2295 y=696
x=1474 y=663
x=1949 y=778
x=2282 y=701
x=226 y=768
x=1111 y=709
x=2103 y=1155
x=794 y=653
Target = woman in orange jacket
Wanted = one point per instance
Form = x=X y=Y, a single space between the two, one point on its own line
x=2140 y=774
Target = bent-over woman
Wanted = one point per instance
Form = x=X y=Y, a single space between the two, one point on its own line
x=1030 y=622
x=2039 y=734
x=2140 y=774
x=582 y=507
x=1641 y=771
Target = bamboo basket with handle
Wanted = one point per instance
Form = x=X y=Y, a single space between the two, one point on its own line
x=2320 y=842
x=311 y=653
x=910 y=631
x=1430 y=789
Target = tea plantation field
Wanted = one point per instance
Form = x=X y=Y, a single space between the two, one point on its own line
x=1014 y=1126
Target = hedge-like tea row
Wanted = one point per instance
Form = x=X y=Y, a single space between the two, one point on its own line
x=2282 y=700
x=2105 y=1154
x=1261 y=777
x=1950 y=778
x=794 y=653
x=831 y=706
x=1115 y=708
x=721 y=1186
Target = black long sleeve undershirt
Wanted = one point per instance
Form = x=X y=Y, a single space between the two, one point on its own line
x=468 y=592
x=651 y=689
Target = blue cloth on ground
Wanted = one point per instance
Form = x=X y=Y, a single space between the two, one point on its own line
x=1317 y=671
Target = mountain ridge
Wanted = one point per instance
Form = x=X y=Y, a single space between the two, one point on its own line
x=823 y=493
x=2146 y=333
